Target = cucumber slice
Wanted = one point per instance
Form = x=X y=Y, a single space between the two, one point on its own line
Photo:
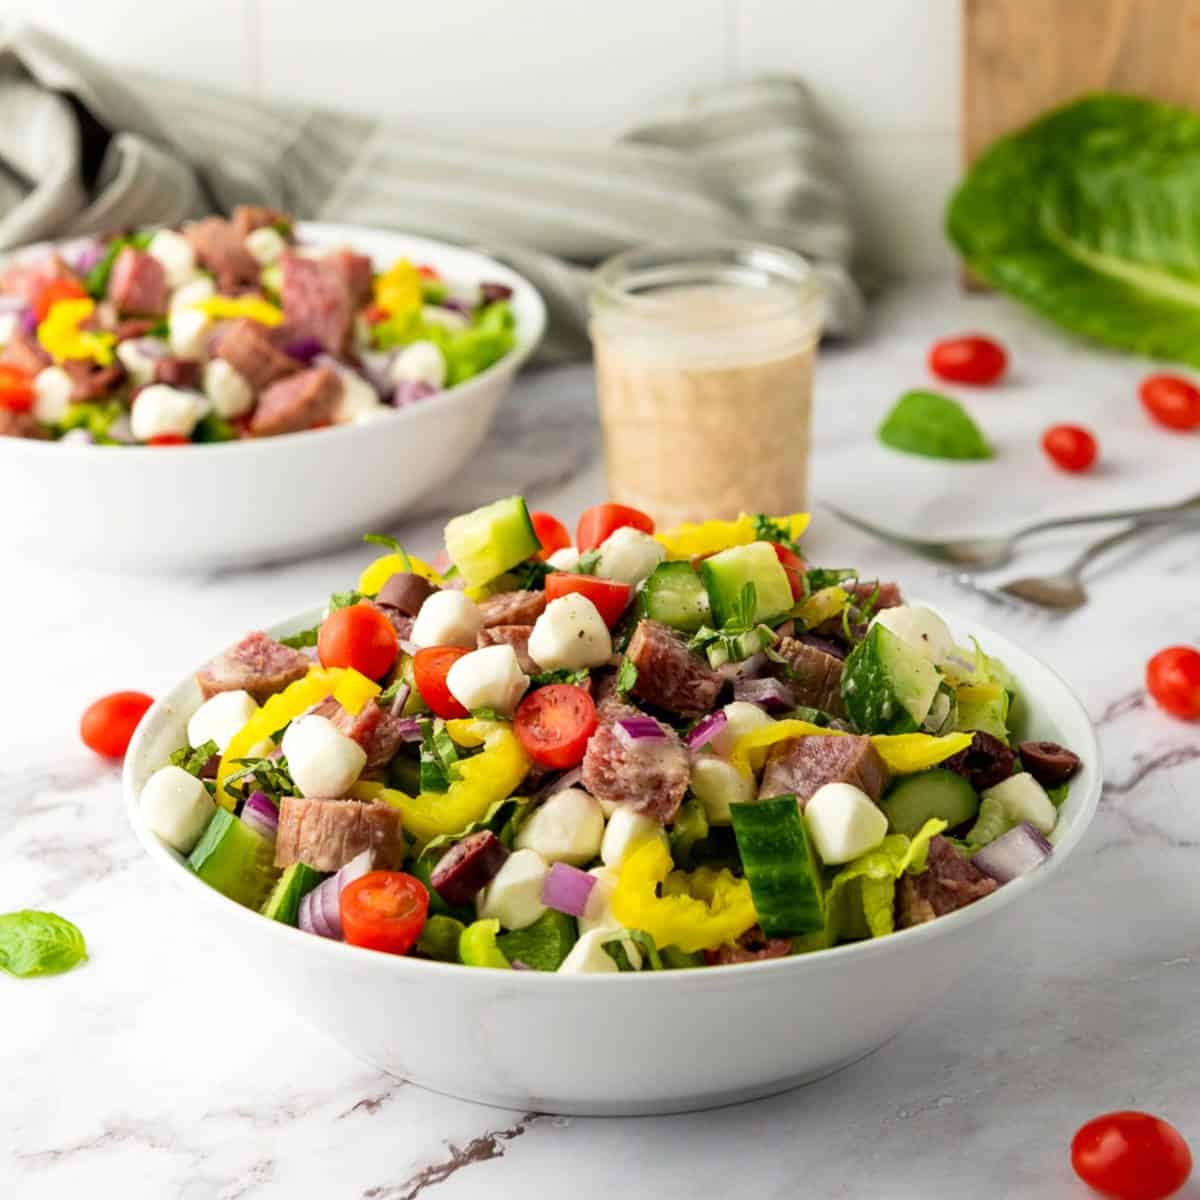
x=780 y=865
x=235 y=860
x=542 y=945
x=726 y=574
x=283 y=904
x=675 y=595
x=937 y=794
x=487 y=542
x=887 y=686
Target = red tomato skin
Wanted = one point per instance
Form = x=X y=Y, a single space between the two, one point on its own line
x=1070 y=447
x=551 y=532
x=360 y=637
x=107 y=724
x=384 y=910
x=51 y=292
x=430 y=668
x=16 y=389
x=1131 y=1156
x=553 y=725
x=968 y=359
x=168 y=439
x=609 y=597
x=794 y=565
x=600 y=520
x=1173 y=681
x=1174 y=402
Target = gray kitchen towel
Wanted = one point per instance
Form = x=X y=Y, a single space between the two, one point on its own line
x=86 y=147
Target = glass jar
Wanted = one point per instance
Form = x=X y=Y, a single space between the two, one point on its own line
x=704 y=363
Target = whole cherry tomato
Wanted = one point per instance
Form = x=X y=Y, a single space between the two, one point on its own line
x=1173 y=680
x=108 y=724
x=359 y=636
x=1131 y=1156
x=168 y=439
x=551 y=532
x=16 y=389
x=1172 y=401
x=969 y=359
x=1070 y=447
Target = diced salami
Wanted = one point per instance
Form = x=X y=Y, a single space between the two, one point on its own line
x=800 y=766
x=246 y=345
x=815 y=676
x=178 y=372
x=650 y=776
x=356 y=271
x=28 y=277
x=516 y=636
x=90 y=381
x=669 y=675
x=298 y=402
x=327 y=834
x=317 y=301
x=220 y=248
x=948 y=883
x=257 y=664
x=512 y=608
x=24 y=353
x=134 y=327
x=752 y=946
x=468 y=866
x=405 y=592
x=249 y=217
x=20 y=425
x=138 y=284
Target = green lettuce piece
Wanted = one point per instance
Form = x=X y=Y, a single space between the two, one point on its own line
x=933 y=426
x=1091 y=217
x=542 y=945
x=861 y=897
x=440 y=937
x=39 y=943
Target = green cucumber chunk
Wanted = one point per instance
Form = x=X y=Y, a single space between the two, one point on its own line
x=477 y=946
x=675 y=595
x=542 y=945
x=440 y=938
x=235 y=860
x=726 y=574
x=887 y=685
x=932 y=795
x=283 y=904
x=780 y=865
x=487 y=542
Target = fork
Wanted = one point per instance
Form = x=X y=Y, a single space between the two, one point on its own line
x=983 y=553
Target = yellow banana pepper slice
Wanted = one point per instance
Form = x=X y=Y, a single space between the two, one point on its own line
x=398 y=289
x=707 y=537
x=60 y=333
x=820 y=606
x=230 y=308
x=979 y=693
x=384 y=567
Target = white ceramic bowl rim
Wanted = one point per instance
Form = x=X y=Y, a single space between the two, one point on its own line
x=526 y=298
x=894 y=942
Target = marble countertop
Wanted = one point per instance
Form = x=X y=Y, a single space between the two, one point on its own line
x=159 y=1069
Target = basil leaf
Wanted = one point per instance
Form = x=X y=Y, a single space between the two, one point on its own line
x=933 y=426
x=270 y=775
x=306 y=637
x=438 y=757
x=530 y=575
x=768 y=530
x=560 y=676
x=39 y=943
x=194 y=761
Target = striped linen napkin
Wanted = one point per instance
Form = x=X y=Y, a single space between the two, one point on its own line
x=87 y=148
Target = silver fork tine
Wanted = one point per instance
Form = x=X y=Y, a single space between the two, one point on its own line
x=929 y=548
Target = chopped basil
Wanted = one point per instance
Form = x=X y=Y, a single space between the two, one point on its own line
x=438 y=757
x=587 y=562
x=626 y=675
x=39 y=943
x=344 y=599
x=767 y=530
x=270 y=775
x=383 y=539
x=306 y=637
x=193 y=761
x=530 y=575
x=820 y=578
x=543 y=678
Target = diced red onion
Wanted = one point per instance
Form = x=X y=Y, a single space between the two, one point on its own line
x=260 y=813
x=319 y=912
x=707 y=729
x=491 y=292
x=566 y=889
x=304 y=349
x=408 y=729
x=455 y=305
x=87 y=256
x=28 y=322
x=410 y=391
x=558 y=783
x=400 y=700
x=631 y=730
x=772 y=694
x=1014 y=853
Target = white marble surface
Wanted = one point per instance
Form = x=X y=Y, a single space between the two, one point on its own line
x=160 y=1070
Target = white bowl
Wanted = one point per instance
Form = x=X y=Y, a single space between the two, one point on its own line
x=256 y=501
x=628 y=1044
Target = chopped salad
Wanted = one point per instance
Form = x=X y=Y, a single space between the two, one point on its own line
x=230 y=328
x=635 y=750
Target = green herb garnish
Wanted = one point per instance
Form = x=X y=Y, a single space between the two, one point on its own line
x=270 y=775
x=543 y=678
x=39 y=943
x=587 y=562
x=626 y=675
x=306 y=637
x=933 y=426
x=383 y=539
x=193 y=761
x=439 y=757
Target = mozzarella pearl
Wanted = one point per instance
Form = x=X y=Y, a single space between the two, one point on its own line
x=220 y=718
x=626 y=829
x=566 y=559
x=323 y=761
x=421 y=362
x=162 y=409
x=514 y=897
x=741 y=718
x=490 y=677
x=266 y=244
x=589 y=957
x=843 y=822
x=628 y=555
x=8 y=326
x=447 y=618
x=51 y=395
x=358 y=398
x=177 y=807
x=176 y=255
x=228 y=389
x=192 y=292
x=570 y=635
x=137 y=363
x=568 y=827
x=597 y=913
x=188 y=332
x=921 y=628
x=1024 y=799
x=717 y=784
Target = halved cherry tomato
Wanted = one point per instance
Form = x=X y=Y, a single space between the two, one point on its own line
x=16 y=389
x=1172 y=401
x=793 y=564
x=168 y=439
x=600 y=520
x=427 y=272
x=359 y=636
x=1070 y=447
x=51 y=292
x=430 y=668
x=551 y=532
x=384 y=910
x=553 y=725
x=970 y=359
x=108 y=724
x=374 y=313
x=609 y=597
x=1131 y=1156
x=1173 y=680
